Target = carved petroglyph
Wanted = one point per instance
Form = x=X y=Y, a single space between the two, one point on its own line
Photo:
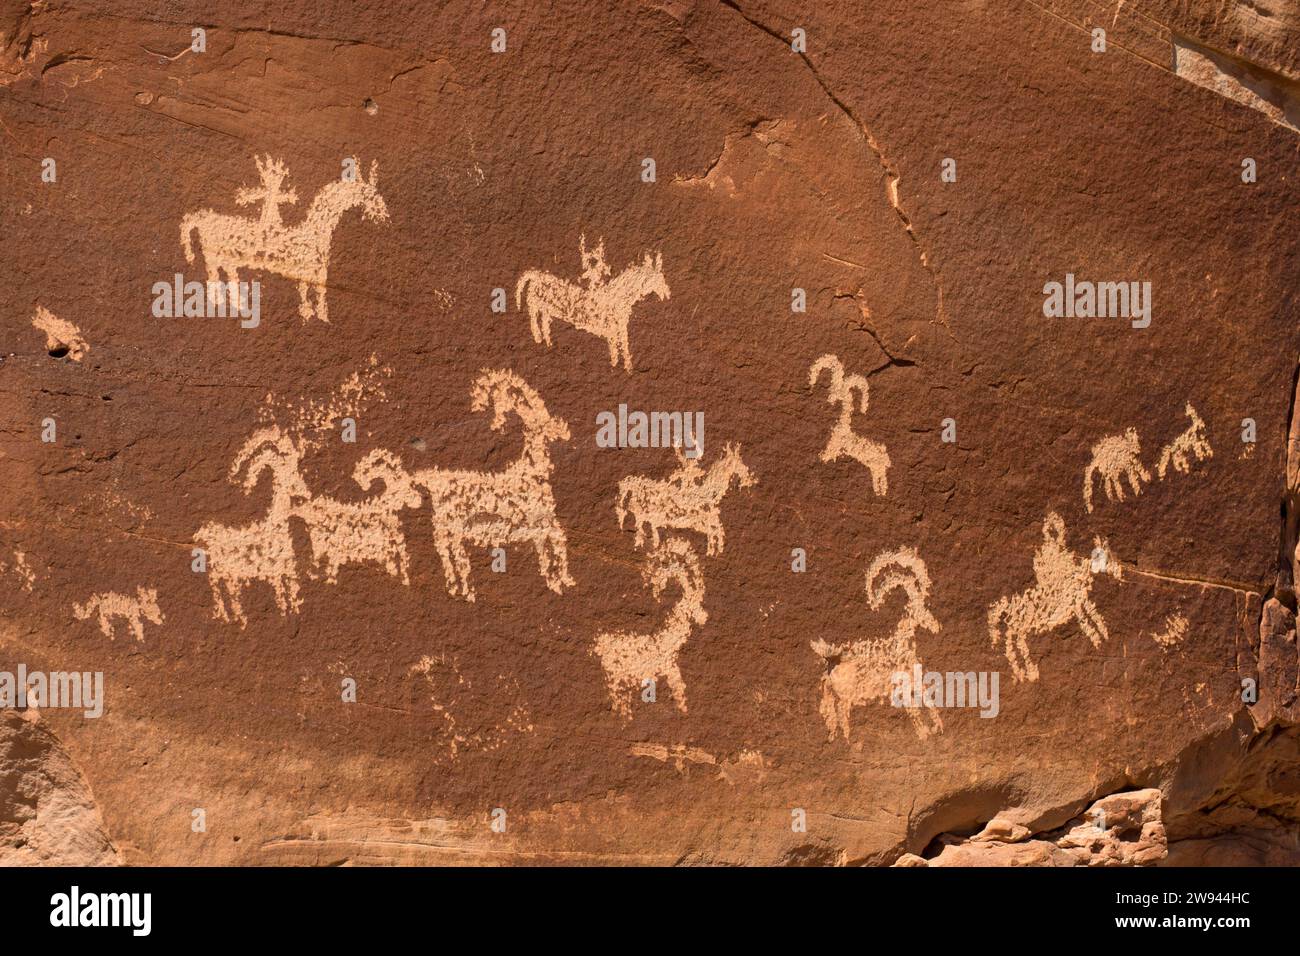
x=367 y=531
x=1061 y=593
x=496 y=508
x=862 y=671
x=1174 y=632
x=688 y=499
x=1192 y=445
x=20 y=569
x=61 y=336
x=459 y=700
x=629 y=658
x=844 y=443
x=1115 y=457
x=263 y=550
x=300 y=252
x=599 y=305
x=133 y=610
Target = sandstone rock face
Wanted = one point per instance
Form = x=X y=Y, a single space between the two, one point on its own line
x=356 y=549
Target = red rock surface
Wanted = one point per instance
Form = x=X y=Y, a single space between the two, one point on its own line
x=775 y=170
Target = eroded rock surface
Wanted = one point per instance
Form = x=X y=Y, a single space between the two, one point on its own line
x=429 y=604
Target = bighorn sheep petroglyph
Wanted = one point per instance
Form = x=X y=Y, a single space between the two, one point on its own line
x=844 y=443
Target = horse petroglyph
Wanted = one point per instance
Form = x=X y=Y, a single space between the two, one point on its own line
x=133 y=610
x=1061 y=593
x=629 y=658
x=688 y=499
x=844 y=443
x=863 y=671
x=1192 y=445
x=599 y=305
x=300 y=252
x=1115 y=457
x=495 y=508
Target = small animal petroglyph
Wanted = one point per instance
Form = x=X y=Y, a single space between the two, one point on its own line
x=1061 y=593
x=1115 y=457
x=688 y=499
x=862 y=671
x=133 y=610
x=367 y=531
x=263 y=550
x=300 y=252
x=61 y=337
x=599 y=305
x=629 y=658
x=1192 y=445
x=495 y=508
x=844 y=443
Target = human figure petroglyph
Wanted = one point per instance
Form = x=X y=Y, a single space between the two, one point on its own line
x=367 y=531
x=1115 y=457
x=629 y=658
x=133 y=610
x=263 y=550
x=300 y=252
x=599 y=304
x=863 y=671
x=1192 y=445
x=689 y=499
x=496 y=508
x=844 y=443
x=1061 y=593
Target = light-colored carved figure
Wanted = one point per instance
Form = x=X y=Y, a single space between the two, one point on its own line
x=629 y=658
x=300 y=252
x=60 y=335
x=688 y=499
x=863 y=671
x=133 y=610
x=263 y=550
x=20 y=569
x=1174 y=632
x=363 y=532
x=1192 y=445
x=599 y=305
x=496 y=508
x=1115 y=458
x=1061 y=593
x=844 y=443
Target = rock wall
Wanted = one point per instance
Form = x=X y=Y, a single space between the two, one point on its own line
x=380 y=564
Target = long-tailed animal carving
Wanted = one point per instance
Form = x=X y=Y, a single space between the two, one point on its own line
x=1061 y=593
x=844 y=443
x=367 y=531
x=599 y=305
x=496 y=508
x=863 y=671
x=1192 y=445
x=300 y=251
x=630 y=658
x=134 y=611
x=261 y=551
x=1115 y=458
x=689 y=499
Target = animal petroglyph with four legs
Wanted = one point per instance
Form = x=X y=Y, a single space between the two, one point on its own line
x=1115 y=457
x=133 y=610
x=1061 y=593
x=688 y=499
x=495 y=508
x=1192 y=445
x=844 y=443
x=300 y=252
x=863 y=671
x=629 y=658
x=599 y=305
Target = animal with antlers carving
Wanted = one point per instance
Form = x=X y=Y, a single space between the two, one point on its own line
x=844 y=442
